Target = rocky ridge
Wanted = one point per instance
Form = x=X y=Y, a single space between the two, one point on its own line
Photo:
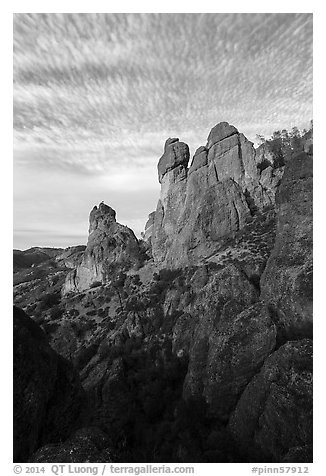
x=213 y=199
x=197 y=346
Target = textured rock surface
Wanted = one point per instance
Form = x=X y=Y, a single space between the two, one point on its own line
x=149 y=227
x=195 y=355
x=287 y=281
x=199 y=160
x=265 y=157
x=274 y=413
x=176 y=154
x=71 y=257
x=188 y=227
x=87 y=445
x=48 y=397
x=109 y=244
x=228 y=344
x=299 y=454
x=237 y=349
x=212 y=200
x=219 y=132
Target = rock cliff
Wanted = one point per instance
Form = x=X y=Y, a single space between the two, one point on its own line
x=109 y=245
x=274 y=413
x=287 y=280
x=48 y=397
x=203 y=352
x=211 y=200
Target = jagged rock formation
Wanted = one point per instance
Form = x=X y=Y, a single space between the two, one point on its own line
x=221 y=364
x=48 y=397
x=213 y=199
x=149 y=227
x=109 y=244
x=203 y=354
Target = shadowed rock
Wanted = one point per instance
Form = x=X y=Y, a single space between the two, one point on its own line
x=48 y=397
x=274 y=413
x=287 y=281
x=230 y=342
x=87 y=445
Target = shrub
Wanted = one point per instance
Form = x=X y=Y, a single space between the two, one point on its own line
x=91 y=313
x=74 y=312
x=50 y=300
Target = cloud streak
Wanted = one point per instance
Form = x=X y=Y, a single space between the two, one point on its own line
x=98 y=94
x=96 y=82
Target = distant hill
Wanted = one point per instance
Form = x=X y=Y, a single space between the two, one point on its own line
x=33 y=256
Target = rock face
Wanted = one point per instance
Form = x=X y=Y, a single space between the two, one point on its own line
x=71 y=256
x=149 y=227
x=201 y=206
x=109 y=245
x=87 y=445
x=176 y=154
x=273 y=417
x=287 y=281
x=236 y=348
x=203 y=354
x=228 y=344
x=48 y=397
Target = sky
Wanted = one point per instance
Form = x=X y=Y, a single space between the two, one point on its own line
x=97 y=95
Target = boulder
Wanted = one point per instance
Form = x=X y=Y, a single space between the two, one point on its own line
x=219 y=132
x=175 y=154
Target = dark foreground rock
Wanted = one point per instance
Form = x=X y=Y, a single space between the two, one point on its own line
x=287 y=283
x=48 y=397
x=273 y=417
x=87 y=445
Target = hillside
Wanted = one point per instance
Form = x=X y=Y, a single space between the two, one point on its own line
x=195 y=343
